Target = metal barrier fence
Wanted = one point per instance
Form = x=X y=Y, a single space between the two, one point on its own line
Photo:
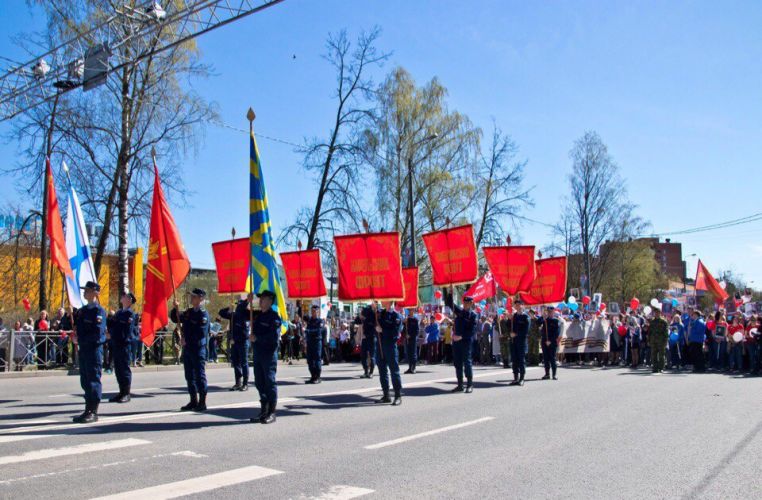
x=25 y=350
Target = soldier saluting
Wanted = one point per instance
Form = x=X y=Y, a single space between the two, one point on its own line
x=239 y=341
x=195 y=329
x=122 y=332
x=462 y=341
x=90 y=331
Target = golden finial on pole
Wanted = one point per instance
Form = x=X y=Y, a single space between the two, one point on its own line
x=251 y=116
x=232 y=233
x=153 y=153
x=299 y=244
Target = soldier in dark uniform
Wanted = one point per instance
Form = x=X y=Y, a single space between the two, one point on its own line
x=123 y=331
x=550 y=328
x=390 y=328
x=90 y=330
x=519 y=336
x=195 y=330
x=462 y=341
x=314 y=332
x=239 y=341
x=368 y=345
x=411 y=344
x=265 y=335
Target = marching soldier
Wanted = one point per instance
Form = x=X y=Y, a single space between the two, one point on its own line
x=195 y=329
x=368 y=345
x=315 y=332
x=462 y=341
x=389 y=327
x=265 y=336
x=551 y=336
x=123 y=332
x=411 y=344
x=239 y=341
x=90 y=331
x=519 y=335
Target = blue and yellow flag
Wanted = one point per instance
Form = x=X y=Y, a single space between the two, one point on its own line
x=263 y=262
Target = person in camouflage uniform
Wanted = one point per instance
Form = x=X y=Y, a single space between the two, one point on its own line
x=505 y=340
x=658 y=337
x=533 y=355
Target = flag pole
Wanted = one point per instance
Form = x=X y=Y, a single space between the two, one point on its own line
x=251 y=116
x=169 y=258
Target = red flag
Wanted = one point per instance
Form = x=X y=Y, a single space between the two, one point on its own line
x=167 y=266
x=370 y=267
x=705 y=281
x=483 y=289
x=512 y=266
x=232 y=261
x=452 y=253
x=54 y=228
x=304 y=274
x=549 y=286
x=410 y=278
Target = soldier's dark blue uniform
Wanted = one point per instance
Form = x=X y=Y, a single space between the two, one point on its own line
x=551 y=331
x=369 y=343
x=266 y=332
x=122 y=329
x=465 y=327
x=387 y=358
x=239 y=345
x=411 y=343
x=314 y=333
x=195 y=330
x=90 y=325
x=519 y=346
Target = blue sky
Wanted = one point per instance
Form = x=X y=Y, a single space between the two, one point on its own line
x=673 y=88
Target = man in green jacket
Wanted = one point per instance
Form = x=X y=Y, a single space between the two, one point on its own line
x=658 y=337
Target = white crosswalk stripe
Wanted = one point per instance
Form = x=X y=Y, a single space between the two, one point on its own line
x=343 y=492
x=196 y=484
x=71 y=450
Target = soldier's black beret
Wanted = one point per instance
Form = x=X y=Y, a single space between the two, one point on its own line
x=92 y=285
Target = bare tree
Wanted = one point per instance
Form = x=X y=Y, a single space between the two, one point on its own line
x=500 y=194
x=335 y=162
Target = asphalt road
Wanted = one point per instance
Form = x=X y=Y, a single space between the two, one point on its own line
x=595 y=433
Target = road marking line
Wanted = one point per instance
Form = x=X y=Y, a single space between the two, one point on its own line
x=196 y=484
x=26 y=437
x=71 y=450
x=186 y=453
x=427 y=433
x=342 y=492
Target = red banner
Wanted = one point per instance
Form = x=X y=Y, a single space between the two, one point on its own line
x=410 y=278
x=512 y=267
x=482 y=289
x=549 y=286
x=452 y=253
x=370 y=267
x=304 y=274
x=232 y=260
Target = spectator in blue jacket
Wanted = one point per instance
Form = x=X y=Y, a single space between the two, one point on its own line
x=696 y=339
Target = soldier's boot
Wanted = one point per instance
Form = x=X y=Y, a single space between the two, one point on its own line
x=192 y=404
x=244 y=385
x=459 y=387
x=85 y=417
x=201 y=402
x=469 y=386
x=554 y=374
x=546 y=376
x=521 y=381
x=263 y=407
x=318 y=373
x=384 y=399
x=237 y=386
x=397 y=399
x=269 y=417
x=515 y=379
x=116 y=397
x=124 y=395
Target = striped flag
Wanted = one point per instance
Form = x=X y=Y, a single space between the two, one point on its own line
x=78 y=248
x=264 y=266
